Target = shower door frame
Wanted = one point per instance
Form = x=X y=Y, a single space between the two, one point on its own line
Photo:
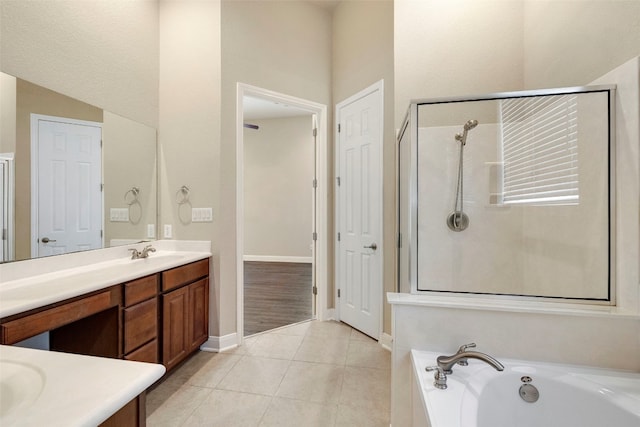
x=410 y=127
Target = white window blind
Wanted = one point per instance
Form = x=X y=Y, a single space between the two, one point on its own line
x=540 y=150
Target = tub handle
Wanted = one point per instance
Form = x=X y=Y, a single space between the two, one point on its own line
x=439 y=378
x=462 y=349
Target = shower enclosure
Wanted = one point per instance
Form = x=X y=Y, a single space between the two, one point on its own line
x=509 y=194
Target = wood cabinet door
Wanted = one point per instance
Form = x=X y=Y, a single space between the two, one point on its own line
x=198 y=326
x=175 y=310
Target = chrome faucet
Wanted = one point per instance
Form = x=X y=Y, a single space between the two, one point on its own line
x=146 y=250
x=445 y=364
x=135 y=254
x=461 y=356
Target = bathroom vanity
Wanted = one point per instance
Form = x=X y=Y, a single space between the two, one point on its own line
x=152 y=310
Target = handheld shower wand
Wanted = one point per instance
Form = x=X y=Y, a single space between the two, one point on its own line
x=458 y=220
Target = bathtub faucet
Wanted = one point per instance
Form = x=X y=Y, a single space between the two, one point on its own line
x=446 y=362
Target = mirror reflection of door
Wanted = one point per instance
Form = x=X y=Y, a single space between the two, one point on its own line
x=7 y=207
x=279 y=159
x=66 y=185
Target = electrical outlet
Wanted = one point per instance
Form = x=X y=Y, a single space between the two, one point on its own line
x=167 y=231
x=151 y=231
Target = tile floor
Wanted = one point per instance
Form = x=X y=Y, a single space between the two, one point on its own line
x=309 y=374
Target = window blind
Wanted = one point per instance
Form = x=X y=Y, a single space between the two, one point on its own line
x=540 y=150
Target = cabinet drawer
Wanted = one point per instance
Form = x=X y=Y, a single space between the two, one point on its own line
x=140 y=324
x=179 y=276
x=139 y=290
x=48 y=319
x=146 y=353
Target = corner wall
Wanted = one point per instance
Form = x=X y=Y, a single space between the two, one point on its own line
x=280 y=46
x=363 y=55
x=189 y=131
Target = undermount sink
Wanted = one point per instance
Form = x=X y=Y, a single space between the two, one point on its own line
x=160 y=258
x=20 y=386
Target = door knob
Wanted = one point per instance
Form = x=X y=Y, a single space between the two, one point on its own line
x=371 y=246
x=47 y=240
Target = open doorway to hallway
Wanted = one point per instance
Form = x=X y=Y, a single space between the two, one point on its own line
x=278 y=195
x=279 y=264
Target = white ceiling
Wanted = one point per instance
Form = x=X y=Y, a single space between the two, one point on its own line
x=258 y=108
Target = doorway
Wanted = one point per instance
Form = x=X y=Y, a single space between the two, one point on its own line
x=281 y=258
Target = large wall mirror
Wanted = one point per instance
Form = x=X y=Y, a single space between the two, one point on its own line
x=73 y=176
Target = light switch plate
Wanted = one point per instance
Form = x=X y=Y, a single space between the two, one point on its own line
x=119 y=215
x=151 y=231
x=201 y=214
x=167 y=231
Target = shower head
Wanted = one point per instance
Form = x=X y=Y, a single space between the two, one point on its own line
x=470 y=124
x=462 y=137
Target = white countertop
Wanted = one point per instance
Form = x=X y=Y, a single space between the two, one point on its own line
x=82 y=273
x=69 y=390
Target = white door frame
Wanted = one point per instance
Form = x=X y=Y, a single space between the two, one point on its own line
x=8 y=207
x=321 y=246
x=35 y=118
x=378 y=86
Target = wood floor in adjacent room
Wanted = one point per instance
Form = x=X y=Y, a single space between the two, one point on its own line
x=276 y=294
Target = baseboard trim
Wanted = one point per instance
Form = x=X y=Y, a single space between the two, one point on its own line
x=220 y=344
x=276 y=258
x=386 y=341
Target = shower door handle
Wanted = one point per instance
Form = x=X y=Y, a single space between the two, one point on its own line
x=371 y=246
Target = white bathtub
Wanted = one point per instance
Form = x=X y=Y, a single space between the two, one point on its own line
x=479 y=396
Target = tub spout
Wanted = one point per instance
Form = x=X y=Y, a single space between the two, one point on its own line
x=447 y=362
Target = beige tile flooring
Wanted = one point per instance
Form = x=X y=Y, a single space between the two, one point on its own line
x=309 y=374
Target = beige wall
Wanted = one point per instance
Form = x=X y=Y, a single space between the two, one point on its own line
x=8 y=88
x=569 y=43
x=464 y=47
x=278 y=172
x=128 y=157
x=458 y=47
x=282 y=46
x=363 y=55
x=103 y=52
x=189 y=133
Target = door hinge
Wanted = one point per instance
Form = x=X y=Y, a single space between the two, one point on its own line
x=338 y=293
x=315 y=290
x=339 y=128
x=101 y=233
x=338 y=180
x=315 y=236
x=315 y=131
x=4 y=234
x=101 y=142
x=315 y=183
x=338 y=236
x=399 y=240
x=101 y=187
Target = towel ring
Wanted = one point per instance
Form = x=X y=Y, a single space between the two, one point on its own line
x=182 y=195
x=131 y=196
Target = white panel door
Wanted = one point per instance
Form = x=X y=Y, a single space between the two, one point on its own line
x=359 y=272
x=69 y=187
